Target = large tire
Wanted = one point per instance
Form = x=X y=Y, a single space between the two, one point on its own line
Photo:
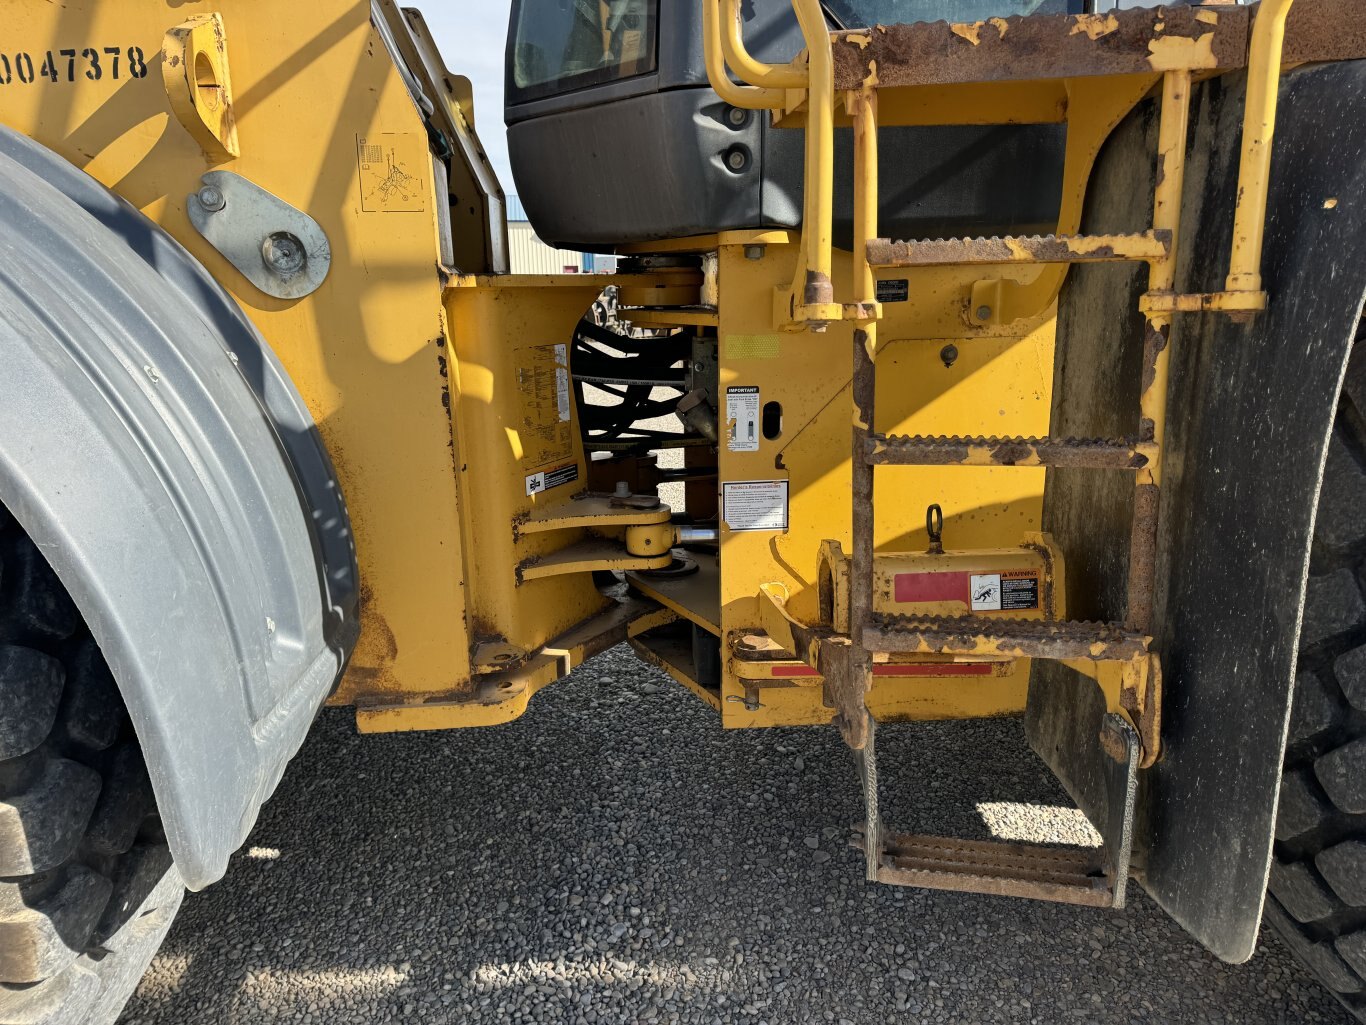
x=87 y=886
x=1317 y=893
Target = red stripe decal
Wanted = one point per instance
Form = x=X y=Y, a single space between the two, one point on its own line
x=927 y=587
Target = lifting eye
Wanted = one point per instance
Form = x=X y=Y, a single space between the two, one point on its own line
x=772 y=420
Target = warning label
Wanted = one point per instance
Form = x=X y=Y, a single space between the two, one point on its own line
x=742 y=419
x=547 y=479
x=1004 y=592
x=755 y=504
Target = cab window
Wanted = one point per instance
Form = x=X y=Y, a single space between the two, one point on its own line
x=561 y=45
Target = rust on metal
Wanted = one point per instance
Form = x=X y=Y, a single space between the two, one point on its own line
x=1324 y=30
x=1044 y=46
x=1015 y=638
x=1140 y=247
x=1067 y=875
x=819 y=290
x=1143 y=558
x=1093 y=453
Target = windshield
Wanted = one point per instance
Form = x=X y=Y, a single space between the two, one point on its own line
x=568 y=44
x=861 y=13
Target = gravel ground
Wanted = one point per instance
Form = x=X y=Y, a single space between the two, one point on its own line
x=615 y=857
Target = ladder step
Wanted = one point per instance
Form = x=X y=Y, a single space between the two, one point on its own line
x=1149 y=245
x=1067 y=875
x=1093 y=453
x=1016 y=638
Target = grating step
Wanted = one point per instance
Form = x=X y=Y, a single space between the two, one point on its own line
x=1091 y=453
x=1149 y=245
x=1016 y=638
x=1066 y=875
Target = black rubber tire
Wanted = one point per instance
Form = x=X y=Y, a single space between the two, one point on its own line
x=1316 y=896
x=87 y=886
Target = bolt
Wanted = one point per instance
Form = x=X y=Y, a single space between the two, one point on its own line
x=623 y=489
x=754 y=252
x=736 y=160
x=699 y=367
x=738 y=117
x=984 y=313
x=949 y=354
x=211 y=198
x=284 y=253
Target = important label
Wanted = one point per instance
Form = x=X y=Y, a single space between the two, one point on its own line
x=545 y=430
x=392 y=180
x=755 y=504
x=742 y=419
x=547 y=479
x=1004 y=592
x=897 y=290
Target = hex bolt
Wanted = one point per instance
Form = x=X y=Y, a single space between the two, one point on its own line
x=283 y=253
x=737 y=117
x=736 y=160
x=984 y=313
x=949 y=355
x=623 y=489
x=211 y=198
x=754 y=252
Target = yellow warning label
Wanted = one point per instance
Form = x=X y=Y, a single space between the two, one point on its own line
x=393 y=172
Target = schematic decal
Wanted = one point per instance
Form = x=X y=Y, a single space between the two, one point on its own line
x=547 y=479
x=742 y=419
x=755 y=504
x=897 y=290
x=1004 y=592
x=392 y=180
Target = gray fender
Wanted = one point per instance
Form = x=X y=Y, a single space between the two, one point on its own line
x=155 y=450
x=1251 y=409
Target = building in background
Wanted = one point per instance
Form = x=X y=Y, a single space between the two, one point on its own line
x=529 y=255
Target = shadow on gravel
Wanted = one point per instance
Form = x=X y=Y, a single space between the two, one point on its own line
x=615 y=857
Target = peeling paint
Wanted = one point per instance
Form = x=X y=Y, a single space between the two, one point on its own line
x=1176 y=53
x=1094 y=25
x=971 y=31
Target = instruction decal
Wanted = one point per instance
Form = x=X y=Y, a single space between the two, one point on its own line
x=545 y=431
x=742 y=419
x=547 y=479
x=755 y=504
x=1004 y=592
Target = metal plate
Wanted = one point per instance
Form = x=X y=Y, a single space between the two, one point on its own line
x=280 y=250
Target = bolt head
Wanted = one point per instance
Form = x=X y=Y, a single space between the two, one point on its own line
x=754 y=252
x=984 y=313
x=284 y=253
x=211 y=198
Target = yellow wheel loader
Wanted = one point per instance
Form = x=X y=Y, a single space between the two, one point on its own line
x=964 y=358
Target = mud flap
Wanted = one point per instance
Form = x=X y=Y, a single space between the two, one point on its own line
x=1251 y=409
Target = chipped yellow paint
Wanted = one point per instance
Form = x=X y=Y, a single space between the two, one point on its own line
x=1207 y=17
x=1094 y=25
x=1330 y=204
x=1002 y=26
x=860 y=39
x=971 y=31
x=1179 y=53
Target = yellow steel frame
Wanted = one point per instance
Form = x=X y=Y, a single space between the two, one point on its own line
x=475 y=593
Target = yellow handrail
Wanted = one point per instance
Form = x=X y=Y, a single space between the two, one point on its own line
x=817 y=290
x=1259 y=128
x=781 y=76
x=747 y=97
